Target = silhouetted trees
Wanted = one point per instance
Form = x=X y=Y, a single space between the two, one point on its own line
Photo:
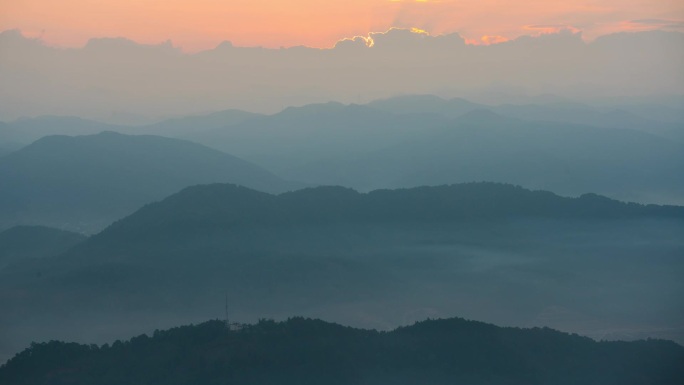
x=306 y=351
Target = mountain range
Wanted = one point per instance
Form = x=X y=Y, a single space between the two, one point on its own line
x=394 y=143
x=24 y=131
x=483 y=146
x=84 y=183
x=378 y=259
x=661 y=119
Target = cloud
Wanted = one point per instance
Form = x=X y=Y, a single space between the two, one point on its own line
x=355 y=42
x=551 y=28
x=402 y=39
x=493 y=39
x=659 y=23
x=201 y=24
x=158 y=80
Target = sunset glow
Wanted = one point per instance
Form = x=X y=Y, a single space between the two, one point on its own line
x=202 y=24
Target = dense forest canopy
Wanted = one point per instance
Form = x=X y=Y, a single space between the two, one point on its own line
x=308 y=351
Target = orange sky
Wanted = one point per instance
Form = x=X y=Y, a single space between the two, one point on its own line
x=202 y=24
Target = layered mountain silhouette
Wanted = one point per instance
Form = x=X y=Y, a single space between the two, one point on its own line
x=308 y=351
x=84 y=183
x=314 y=134
x=223 y=218
x=417 y=140
x=27 y=130
x=484 y=146
x=188 y=125
x=24 y=131
x=370 y=259
x=208 y=208
x=426 y=104
x=425 y=140
x=337 y=199
x=660 y=119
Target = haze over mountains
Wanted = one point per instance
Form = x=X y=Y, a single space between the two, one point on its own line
x=482 y=146
x=117 y=80
x=24 y=131
x=22 y=242
x=380 y=260
x=333 y=132
x=523 y=169
x=84 y=183
x=372 y=214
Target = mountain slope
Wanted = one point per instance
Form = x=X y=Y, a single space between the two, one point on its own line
x=567 y=159
x=28 y=130
x=35 y=242
x=425 y=104
x=234 y=215
x=189 y=125
x=625 y=116
x=84 y=183
x=306 y=351
x=230 y=206
x=314 y=134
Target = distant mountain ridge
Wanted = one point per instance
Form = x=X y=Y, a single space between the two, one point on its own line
x=315 y=134
x=657 y=119
x=634 y=116
x=484 y=146
x=85 y=182
x=210 y=208
x=27 y=130
x=307 y=351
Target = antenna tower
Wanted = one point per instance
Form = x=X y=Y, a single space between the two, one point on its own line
x=226 y=319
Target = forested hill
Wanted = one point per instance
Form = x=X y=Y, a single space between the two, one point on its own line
x=205 y=207
x=304 y=351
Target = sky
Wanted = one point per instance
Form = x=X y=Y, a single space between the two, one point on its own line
x=202 y=24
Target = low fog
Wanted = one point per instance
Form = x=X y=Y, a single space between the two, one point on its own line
x=612 y=279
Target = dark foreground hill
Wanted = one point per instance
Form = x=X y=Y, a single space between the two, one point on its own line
x=305 y=351
x=83 y=183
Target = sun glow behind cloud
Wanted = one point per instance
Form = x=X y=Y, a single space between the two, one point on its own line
x=202 y=24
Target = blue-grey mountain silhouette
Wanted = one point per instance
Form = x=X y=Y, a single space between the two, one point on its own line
x=376 y=260
x=83 y=183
